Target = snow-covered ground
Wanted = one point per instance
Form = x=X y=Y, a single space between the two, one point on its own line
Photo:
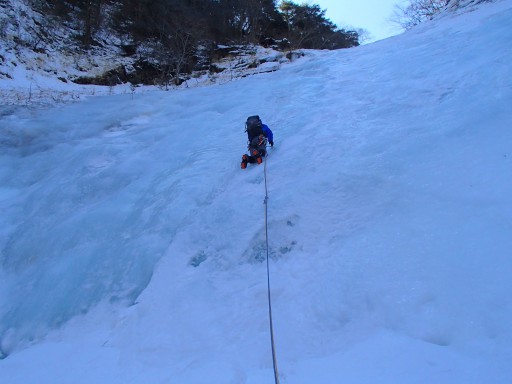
x=133 y=244
x=24 y=82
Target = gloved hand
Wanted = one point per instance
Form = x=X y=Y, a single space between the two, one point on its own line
x=271 y=143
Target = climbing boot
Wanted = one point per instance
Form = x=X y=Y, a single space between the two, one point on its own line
x=243 y=164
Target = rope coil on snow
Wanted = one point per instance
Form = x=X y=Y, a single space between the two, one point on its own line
x=265 y=202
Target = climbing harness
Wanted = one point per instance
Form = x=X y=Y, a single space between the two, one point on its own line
x=265 y=202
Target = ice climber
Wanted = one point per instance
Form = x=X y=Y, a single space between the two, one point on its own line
x=257 y=136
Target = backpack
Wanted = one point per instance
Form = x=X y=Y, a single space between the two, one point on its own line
x=253 y=127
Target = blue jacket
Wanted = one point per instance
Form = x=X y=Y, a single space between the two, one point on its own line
x=267 y=132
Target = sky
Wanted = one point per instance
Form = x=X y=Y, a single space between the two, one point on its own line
x=371 y=15
x=133 y=244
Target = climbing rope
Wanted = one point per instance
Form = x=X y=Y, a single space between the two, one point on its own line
x=265 y=202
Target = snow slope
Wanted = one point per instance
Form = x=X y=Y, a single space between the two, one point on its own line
x=133 y=244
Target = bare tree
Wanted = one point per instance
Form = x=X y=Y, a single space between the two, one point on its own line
x=91 y=18
x=309 y=28
x=416 y=12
